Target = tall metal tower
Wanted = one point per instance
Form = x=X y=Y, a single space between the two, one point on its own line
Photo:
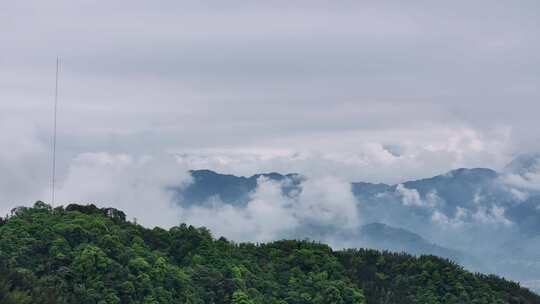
x=53 y=173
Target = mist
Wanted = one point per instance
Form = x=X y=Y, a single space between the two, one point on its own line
x=354 y=91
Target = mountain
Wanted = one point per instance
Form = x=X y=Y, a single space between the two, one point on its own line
x=475 y=192
x=527 y=214
x=465 y=191
x=230 y=189
x=364 y=190
x=236 y=190
x=455 y=187
x=384 y=237
x=459 y=211
x=84 y=254
x=523 y=164
x=459 y=187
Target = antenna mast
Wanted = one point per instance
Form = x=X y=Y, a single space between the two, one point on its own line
x=53 y=177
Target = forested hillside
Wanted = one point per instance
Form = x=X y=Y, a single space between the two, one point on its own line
x=83 y=254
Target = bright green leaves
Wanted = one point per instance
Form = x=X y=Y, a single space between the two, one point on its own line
x=91 y=255
x=91 y=262
x=241 y=298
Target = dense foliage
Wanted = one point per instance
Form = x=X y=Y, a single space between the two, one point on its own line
x=83 y=254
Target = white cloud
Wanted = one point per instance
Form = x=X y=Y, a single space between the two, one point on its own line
x=411 y=197
x=527 y=181
x=24 y=163
x=520 y=196
x=328 y=201
x=269 y=214
x=287 y=92
x=356 y=155
x=433 y=199
x=494 y=215
x=478 y=197
x=136 y=185
x=491 y=215
x=457 y=221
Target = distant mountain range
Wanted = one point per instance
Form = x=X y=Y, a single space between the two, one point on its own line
x=524 y=164
x=230 y=189
x=461 y=189
x=470 y=191
x=383 y=237
x=474 y=215
x=236 y=190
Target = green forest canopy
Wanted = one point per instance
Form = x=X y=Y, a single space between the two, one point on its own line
x=83 y=254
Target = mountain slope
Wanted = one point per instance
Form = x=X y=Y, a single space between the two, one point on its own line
x=455 y=187
x=235 y=190
x=461 y=209
x=524 y=164
x=384 y=237
x=230 y=189
x=82 y=254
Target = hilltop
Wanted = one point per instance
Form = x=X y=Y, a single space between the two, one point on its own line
x=84 y=254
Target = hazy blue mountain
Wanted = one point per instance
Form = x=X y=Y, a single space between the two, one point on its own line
x=230 y=189
x=468 y=189
x=366 y=190
x=458 y=187
x=527 y=215
x=511 y=250
x=524 y=164
x=381 y=236
x=236 y=190
x=455 y=187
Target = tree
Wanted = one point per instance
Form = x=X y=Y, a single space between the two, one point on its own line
x=241 y=298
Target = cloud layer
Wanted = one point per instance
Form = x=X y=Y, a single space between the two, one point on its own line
x=319 y=209
x=376 y=91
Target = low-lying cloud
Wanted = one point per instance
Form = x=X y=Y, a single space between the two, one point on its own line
x=322 y=204
x=140 y=186
x=412 y=198
x=527 y=181
x=493 y=214
x=267 y=216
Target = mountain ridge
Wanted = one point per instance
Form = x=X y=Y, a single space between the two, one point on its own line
x=458 y=210
x=86 y=254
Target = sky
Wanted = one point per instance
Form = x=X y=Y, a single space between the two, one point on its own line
x=380 y=91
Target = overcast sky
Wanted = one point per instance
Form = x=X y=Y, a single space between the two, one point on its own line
x=363 y=90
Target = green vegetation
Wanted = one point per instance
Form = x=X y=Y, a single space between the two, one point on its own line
x=83 y=254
